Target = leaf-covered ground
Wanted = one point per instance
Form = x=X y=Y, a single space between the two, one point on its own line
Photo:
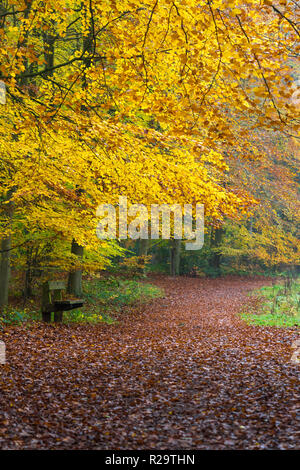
x=184 y=372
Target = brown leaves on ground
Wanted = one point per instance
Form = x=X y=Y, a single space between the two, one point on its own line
x=183 y=372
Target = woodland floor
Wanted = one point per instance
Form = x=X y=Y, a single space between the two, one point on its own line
x=183 y=372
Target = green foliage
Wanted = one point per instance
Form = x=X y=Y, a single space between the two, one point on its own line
x=106 y=296
x=103 y=298
x=270 y=319
x=89 y=315
x=280 y=305
x=11 y=316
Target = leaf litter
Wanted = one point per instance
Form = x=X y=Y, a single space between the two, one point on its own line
x=183 y=372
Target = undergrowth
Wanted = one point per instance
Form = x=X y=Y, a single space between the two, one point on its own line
x=103 y=298
x=279 y=305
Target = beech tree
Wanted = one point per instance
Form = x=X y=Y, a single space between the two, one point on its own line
x=190 y=67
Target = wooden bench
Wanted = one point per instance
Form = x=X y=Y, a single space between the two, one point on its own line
x=52 y=301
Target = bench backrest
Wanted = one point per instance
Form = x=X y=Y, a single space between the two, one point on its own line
x=52 y=290
x=56 y=285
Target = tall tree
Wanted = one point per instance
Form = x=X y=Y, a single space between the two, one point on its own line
x=194 y=67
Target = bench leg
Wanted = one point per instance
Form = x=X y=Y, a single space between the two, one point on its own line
x=58 y=316
x=46 y=316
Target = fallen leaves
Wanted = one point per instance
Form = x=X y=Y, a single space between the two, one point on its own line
x=183 y=372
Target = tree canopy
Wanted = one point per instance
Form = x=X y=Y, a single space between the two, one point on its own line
x=154 y=100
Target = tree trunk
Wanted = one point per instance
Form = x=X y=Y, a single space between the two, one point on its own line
x=28 y=284
x=75 y=277
x=216 y=238
x=143 y=247
x=5 y=254
x=5 y=270
x=28 y=292
x=175 y=257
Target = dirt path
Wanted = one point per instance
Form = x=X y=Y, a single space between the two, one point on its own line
x=181 y=373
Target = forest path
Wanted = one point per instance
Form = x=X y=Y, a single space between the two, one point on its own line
x=183 y=372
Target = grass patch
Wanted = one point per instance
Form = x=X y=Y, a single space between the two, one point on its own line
x=279 y=305
x=106 y=297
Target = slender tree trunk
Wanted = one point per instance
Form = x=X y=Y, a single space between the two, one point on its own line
x=5 y=254
x=75 y=277
x=175 y=257
x=216 y=238
x=5 y=270
x=28 y=292
x=143 y=247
